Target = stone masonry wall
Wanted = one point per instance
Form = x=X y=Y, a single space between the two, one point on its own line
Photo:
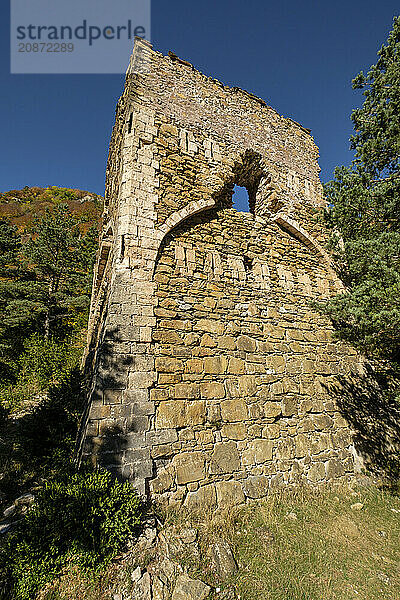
x=212 y=375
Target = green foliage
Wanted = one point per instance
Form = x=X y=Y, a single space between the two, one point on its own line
x=365 y=213
x=45 y=283
x=83 y=519
x=59 y=259
x=40 y=442
x=43 y=363
x=45 y=286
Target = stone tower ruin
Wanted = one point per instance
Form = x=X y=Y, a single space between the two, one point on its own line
x=212 y=375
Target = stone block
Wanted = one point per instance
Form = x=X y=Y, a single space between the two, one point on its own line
x=209 y=326
x=144 y=408
x=164 y=436
x=285 y=449
x=334 y=468
x=271 y=431
x=207 y=341
x=141 y=379
x=100 y=412
x=138 y=424
x=316 y=472
x=302 y=445
x=173 y=414
x=289 y=406
x=212 y=390
x=233 y=410
x=189 y=466
x=225 y=458
x=214 y=413
x=255 y=486
x=275 y=363
x=205 y=497
x=262 y=450
x=190 y=589
x=248 y=458
x=194 y=365
x=112 y=396
x=162 y=451
x=226 y=342
x=322 y=421
x=234 y=431
x=246 y=343
x=162 y=482
x=341 y=438
x=236 y=366
x=272 y=409
x=166 y=364
x=205 y=437
x=229 y=493
x=247 y=385
x=186 y=391
x=215 y=365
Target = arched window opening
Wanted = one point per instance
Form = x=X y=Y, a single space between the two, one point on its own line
x=247 y=174
x=240 y=199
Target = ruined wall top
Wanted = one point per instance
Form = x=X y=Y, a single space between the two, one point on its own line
x=188 y=95
x=231 y=136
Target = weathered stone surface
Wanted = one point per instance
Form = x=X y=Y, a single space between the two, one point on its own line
x=316 y=472
x=190 y=589
x=244 y=342
x=179 y=413
x=204 y=497
x=225 y=458
x=222 y=559
x=236 y=366
x=272 y=409
x=255 y=486
x=142 y=589
x=189 y=466
x=262 y=450
x=334 y=468
x=234 y=431
x=212 y=390
x=215 y=365
x=229 y=493
x=162 y=482
x=233 y=410
x=247 y=385
x=168 y=365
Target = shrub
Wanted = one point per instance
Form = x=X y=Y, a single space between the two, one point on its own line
x=42 y=364
x=84 y=520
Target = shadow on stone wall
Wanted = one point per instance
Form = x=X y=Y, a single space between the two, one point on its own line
x=368 y=402
x=105 y=447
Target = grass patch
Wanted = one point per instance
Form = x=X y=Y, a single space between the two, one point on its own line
x=308 y=545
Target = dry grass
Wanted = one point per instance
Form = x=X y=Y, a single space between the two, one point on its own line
x=315 y=546
x=309 y=545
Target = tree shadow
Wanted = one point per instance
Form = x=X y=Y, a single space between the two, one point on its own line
x=104 y=446
x=368 y=401
x=41 y=443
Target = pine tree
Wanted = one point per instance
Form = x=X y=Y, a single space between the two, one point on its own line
x=45 y=282
x=364 y=213
x=60 y=258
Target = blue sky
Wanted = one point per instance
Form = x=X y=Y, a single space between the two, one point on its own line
x=300 y=56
